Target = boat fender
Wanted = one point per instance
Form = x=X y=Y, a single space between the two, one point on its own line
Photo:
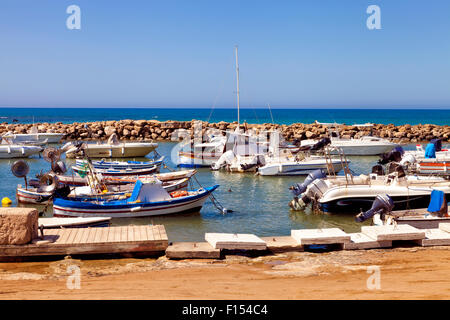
x=6 y=202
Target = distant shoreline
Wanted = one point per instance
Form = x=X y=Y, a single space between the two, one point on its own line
x=287 y=116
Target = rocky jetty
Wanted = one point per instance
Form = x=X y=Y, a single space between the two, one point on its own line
x=141 y=130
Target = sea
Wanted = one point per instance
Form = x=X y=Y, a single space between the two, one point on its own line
x=255 y=115
x=256 y=204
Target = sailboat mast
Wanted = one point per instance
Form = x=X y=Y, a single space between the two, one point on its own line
x=237 y=84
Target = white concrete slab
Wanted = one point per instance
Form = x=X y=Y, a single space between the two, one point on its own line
x=230 y=241
x=393 y=232
x=320 y=236
x=282 y=244
x=361 y=241
x=435 y=237
x=444 y=227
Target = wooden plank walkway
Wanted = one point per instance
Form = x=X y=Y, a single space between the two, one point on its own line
x=103 y=240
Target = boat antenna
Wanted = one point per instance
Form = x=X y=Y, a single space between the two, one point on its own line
x=273 y=122
x=237 y=83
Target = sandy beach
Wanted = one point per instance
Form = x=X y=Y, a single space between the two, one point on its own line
x=405 y=273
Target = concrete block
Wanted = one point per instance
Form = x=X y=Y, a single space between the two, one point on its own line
x=192 y=250
x=361 y=241
x=320 y=236
x=18 y=225
x=435 y=237
x=230 y=241
x=393 y=232
x=282 y=244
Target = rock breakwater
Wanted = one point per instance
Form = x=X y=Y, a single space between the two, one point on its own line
x=140 y=130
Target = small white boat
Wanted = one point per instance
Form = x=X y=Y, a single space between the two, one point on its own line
x=57 y=223
x=166 y=176
x=34 y=137
x=363 y=146
x=116 y=173
x=112 y=149
x=9 y=151
x=121 y=165
x=287 y=164
x=36 y=195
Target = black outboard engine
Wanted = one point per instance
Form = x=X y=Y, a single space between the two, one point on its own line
x=381 y=205
x=437 y=144
x=322 y=143
x=298 y=189
x=378 y=169
x=395 y=155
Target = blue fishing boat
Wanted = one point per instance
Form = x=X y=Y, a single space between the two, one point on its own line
x=147 y=199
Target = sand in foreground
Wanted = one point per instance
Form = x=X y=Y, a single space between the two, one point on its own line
x=405 y=273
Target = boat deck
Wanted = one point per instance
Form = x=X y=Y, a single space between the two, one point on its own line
x=84 y=241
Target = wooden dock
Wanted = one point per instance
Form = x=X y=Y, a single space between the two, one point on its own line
x=86 y=241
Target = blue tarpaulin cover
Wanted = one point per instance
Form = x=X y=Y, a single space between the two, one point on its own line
x=430 y=151
x=436 y=201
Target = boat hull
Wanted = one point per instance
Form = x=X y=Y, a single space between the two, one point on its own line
x=25 y=196
x=361 y=150
x=295 y=169
x=18 y=151
x=127 y=150
x=353 y=205
x=35 y=137
x=191 y=160
x=119 y=173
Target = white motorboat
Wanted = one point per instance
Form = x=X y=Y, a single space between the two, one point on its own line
x=363 y=146
x=9 y=151
x=34 y=137
x=298 y=165
x=112 y=149
x=351 y=194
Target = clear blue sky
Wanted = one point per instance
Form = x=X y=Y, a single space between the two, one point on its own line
x=181 y=53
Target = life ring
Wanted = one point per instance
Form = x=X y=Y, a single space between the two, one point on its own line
x=179 y=193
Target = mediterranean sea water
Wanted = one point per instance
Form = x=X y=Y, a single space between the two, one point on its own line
x=257 y=115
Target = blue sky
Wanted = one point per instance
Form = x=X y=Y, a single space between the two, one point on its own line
x=181 y=53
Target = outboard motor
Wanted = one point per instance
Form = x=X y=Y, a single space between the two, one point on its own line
x=381 y=205
x=299 y=189
x=395 y=155
x=322 y=143
x=408 y=159
x=378 y=169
